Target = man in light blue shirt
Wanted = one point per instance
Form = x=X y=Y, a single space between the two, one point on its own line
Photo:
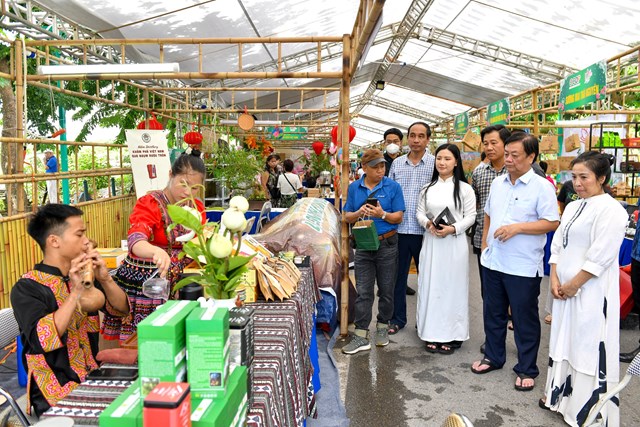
x=520 y=210
x=412 y=171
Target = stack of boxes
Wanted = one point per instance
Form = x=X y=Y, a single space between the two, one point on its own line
x=208 y=352
x=241 y=337
x=181 y=339
x=228 y=411
x=162 y=345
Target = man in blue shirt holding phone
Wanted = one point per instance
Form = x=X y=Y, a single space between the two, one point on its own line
x=378 y=265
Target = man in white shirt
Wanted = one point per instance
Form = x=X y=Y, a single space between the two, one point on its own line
x=520 y=210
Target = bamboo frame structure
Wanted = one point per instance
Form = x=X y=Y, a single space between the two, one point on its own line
x=175 y=104
x=544 y=100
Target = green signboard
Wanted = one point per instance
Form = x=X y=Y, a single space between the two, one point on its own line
x=287 y=133
x=498 y=112
x=461 y=123
x=583 y=87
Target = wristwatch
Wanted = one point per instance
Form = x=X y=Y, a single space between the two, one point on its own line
x=384 y=215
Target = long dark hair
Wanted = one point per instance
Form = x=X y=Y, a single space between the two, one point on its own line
x=458 y=173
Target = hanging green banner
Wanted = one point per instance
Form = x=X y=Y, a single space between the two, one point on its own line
x=461 y=123
x=287 y=133
x=498 y=112
x=583 y=87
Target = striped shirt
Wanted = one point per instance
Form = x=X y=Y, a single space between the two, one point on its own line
x=481 y=180
x=412 y=178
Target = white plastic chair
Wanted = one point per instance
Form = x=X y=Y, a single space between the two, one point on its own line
x=264 y=216
x=632 y=371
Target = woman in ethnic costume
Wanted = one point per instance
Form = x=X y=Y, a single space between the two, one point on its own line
x=584 y=342
x=150 y=248
x=60 y=339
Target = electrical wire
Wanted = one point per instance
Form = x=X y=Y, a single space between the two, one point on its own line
x=584 y=33
x=153 y=17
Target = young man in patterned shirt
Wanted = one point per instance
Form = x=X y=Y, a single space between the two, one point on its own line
x=60 y=341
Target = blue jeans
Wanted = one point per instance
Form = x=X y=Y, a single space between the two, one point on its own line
x=409 y=246
x=372 y=266
x=502 y=290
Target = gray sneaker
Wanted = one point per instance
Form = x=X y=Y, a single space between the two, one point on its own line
x=382 y=335
x=357 y=343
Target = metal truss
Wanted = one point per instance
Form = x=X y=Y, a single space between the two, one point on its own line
x=402 y=34
x=37 y=22
x=535 y=67
x=404 y=109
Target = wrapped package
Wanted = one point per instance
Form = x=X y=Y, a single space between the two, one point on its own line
x=310 y=227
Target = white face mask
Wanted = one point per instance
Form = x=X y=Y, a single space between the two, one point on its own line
x=392 y=149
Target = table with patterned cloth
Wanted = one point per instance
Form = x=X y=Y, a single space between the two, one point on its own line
x=283 y=392
x=85 y=403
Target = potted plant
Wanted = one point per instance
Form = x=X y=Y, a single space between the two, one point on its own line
x=221 y=267
x=236 y=168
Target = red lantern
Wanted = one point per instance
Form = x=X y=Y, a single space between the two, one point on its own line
x=154 y=124
x=193 y=138
x=334 y=134
x=317 y=147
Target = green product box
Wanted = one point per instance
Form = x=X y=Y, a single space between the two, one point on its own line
x=208 y=351
x=209 y=413
x=126 y=410
x=162 y=344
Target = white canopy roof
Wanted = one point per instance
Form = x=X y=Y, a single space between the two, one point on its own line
x=463 y=54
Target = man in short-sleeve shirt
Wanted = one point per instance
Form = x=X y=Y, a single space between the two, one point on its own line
x=520 y=210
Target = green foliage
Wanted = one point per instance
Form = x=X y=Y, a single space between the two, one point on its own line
x=238 y=168
x=219 y=276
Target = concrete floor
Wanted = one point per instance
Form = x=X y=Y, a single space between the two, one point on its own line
x=403 y=385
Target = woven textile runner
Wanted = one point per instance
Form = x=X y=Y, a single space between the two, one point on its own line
x=283 y=393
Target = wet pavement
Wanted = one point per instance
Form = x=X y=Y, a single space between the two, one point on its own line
x=403 y=385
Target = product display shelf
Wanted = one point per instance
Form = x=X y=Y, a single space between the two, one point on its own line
x=629 y=148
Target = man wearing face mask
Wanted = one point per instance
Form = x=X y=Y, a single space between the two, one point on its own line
x=392 y=144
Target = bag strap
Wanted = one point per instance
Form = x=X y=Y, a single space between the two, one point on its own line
x=295 y=190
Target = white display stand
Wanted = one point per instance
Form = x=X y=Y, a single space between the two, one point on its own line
x=150 y=162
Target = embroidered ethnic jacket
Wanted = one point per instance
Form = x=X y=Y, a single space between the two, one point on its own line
x=55 y=364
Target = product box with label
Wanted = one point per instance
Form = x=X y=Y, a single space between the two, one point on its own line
x=220 y=411
x=247 y=288
x=113 y=257
x=209 y=413
x=241 y=335
x=208 y=351
x=126 y=410
x=168 y=405
x=162 y=344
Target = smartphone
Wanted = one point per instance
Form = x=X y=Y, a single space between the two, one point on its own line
x=372 y=201
x=123 y=374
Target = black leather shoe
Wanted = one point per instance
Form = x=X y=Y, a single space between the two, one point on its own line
x=410 y=291
x=628 y=357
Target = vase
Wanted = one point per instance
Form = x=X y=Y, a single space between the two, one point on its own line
x=227 y=303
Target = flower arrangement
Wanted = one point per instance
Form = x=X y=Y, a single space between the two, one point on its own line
x=316 y=163
x=212 y=250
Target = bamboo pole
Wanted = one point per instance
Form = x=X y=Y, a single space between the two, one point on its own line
x=21 y=92
x=193 y=75
x=344 y=137
x=183 y=41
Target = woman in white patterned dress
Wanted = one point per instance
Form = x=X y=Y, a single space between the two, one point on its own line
x=584 y=342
